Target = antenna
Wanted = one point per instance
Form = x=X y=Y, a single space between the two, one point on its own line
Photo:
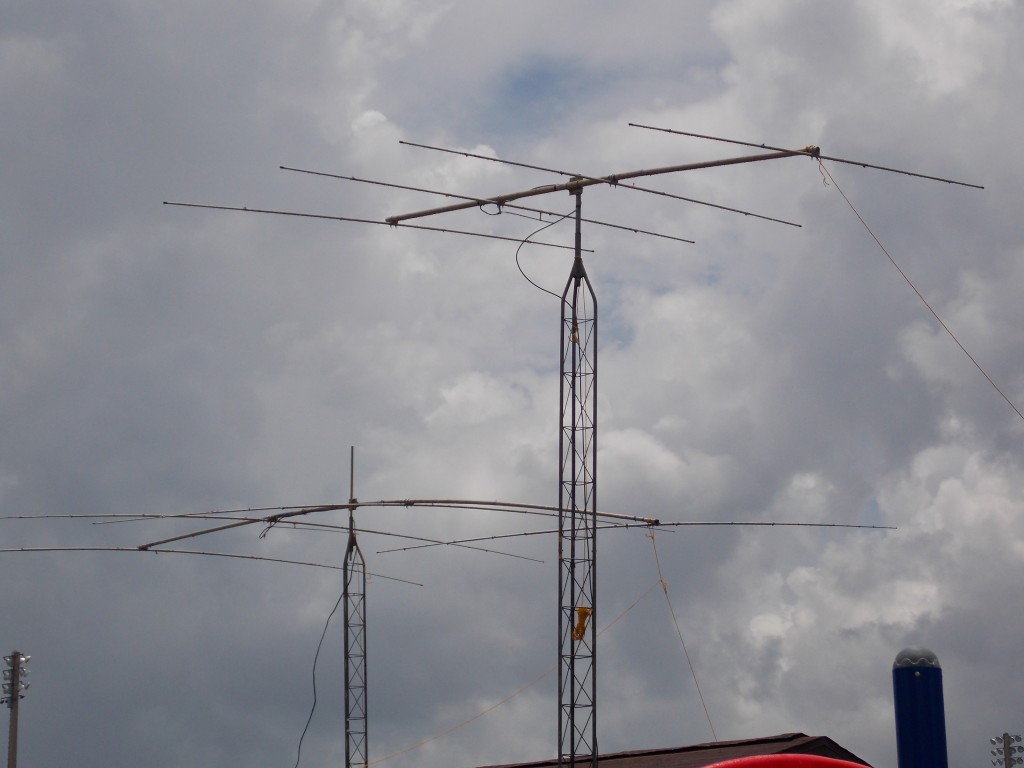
x=577 y=440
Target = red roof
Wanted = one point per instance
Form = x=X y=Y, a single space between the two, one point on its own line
x=700 y=755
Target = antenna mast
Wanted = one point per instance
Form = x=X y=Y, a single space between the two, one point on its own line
x=354 y=598
x=577 y=514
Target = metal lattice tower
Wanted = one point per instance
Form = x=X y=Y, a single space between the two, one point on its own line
x=356 y=747
x=354 y=599
x=577 y=516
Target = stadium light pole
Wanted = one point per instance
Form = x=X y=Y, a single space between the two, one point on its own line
x=14 y=671
x=1004 y=752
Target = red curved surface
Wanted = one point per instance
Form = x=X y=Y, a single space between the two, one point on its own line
x=786 y=761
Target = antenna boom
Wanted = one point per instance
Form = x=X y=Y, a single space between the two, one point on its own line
x=578 y=182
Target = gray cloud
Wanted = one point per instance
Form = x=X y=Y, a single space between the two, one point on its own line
x=165 y=360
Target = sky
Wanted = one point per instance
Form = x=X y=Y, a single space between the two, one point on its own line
x=161 y=360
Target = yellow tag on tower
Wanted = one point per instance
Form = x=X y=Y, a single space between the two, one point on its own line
x=582 y=615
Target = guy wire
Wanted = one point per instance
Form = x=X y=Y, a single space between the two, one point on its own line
x=679 y=632
x=924 y=301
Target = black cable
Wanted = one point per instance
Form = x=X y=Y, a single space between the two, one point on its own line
x=309 y=719
x=526 y=240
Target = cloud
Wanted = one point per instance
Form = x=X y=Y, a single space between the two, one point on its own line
x=171 y=361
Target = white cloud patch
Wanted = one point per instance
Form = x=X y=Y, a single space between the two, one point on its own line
x=474 y=399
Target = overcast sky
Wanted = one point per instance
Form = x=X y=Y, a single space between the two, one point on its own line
x=166 y=360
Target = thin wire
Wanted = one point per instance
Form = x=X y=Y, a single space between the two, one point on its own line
x=511 y=696
x=774 y=524
x=319 y=527
x=228 y=555
x=518 y=534
x=9 y=550
x=319 y=645
x=664 y=587
x=924 y=301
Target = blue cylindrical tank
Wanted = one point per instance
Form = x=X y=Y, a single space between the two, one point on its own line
x=920 y=713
